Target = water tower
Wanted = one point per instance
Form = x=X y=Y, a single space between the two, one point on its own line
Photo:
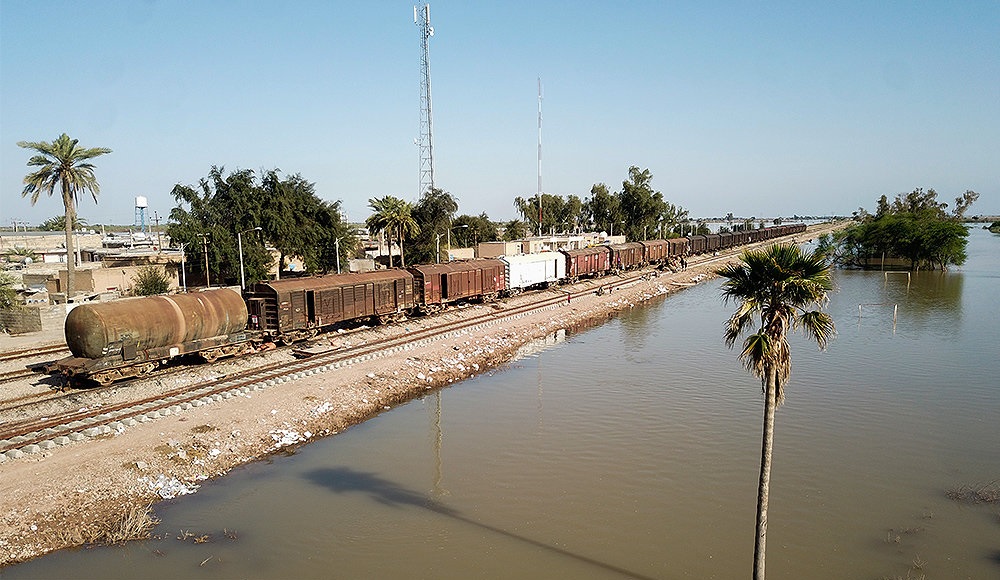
x=140 y=212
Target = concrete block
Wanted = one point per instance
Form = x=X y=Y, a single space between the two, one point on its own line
x=76 y=436
x=14 y=454
x=61 y=440
x=47 y=444
x=91 y=432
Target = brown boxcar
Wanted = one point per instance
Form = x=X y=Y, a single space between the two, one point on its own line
x=656 y=251
x=712 y=242
x=586 y=262
x=678 y=247
x=437 y=285
x=297 y=308
x=626 y=256
x=726 y=240
x=699 y=244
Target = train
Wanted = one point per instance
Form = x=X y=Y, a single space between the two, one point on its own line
x=130 y=337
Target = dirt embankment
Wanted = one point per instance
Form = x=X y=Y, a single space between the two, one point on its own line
x=101 y=489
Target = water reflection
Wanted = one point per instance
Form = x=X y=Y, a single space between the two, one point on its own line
x=344 y=480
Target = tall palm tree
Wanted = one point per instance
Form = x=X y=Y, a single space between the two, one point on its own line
x=393 y=216
x=773 y=287
x=381 y=220
x=405 y=226
x=64 y=164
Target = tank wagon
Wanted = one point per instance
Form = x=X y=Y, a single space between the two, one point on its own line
x=125 y=338
x=438 y=285
x=527 y=271
x=299 y=308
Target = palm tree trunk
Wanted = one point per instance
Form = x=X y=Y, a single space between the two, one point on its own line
x=70 y=254
x=767 y=444
x=402 y=257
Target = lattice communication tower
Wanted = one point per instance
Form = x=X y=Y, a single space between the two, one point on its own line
x=422 y=18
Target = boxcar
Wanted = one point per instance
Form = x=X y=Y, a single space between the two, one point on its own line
x=298 y=308
x=655 y=251
x=726 y=240
x=678 y=247
x=437 y=285
x=699 y=244
x=586 y=262
x=712 y=242
x=533 y=270
x=627 y=256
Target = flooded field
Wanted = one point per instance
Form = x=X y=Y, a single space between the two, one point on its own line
x=630 y=450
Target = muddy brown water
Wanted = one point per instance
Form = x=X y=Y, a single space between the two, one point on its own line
x=630 y=450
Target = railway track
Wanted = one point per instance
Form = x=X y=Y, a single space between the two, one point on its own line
x=36 y=434
x=33 y=352
x=33 y=435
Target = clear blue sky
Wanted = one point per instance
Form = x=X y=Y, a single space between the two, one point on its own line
x=752 y=108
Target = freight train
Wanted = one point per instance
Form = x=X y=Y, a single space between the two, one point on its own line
x=126 y=338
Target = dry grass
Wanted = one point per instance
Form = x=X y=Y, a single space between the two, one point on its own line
x=134 y=524
x=982 y=493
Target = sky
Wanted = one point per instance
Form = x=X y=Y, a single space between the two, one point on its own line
x=755 y=108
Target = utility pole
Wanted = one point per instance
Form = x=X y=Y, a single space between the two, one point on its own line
x=156 y=220
x=422 y=18
x=204 y=245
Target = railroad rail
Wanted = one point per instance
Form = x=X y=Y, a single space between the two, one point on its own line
x=33 y=435
x=32 y=352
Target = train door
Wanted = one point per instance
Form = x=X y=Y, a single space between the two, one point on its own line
x=311 y=319
x=298 y=309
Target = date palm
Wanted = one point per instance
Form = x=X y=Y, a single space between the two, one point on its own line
x=63 y=164
x=393 y=216
x=773 y=287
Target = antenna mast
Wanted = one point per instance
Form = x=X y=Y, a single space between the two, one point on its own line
x=422 y=18
x=539 y=156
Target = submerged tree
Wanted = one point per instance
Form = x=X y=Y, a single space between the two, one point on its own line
x=63 y=164
x=773 y=287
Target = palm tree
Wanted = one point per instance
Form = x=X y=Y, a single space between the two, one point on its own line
x=381 y=220
x=405 y=226
x=64 y=164
x=393 y=216
x=773 y=286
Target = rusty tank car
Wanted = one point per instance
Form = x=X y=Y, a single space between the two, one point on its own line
x=129 y=337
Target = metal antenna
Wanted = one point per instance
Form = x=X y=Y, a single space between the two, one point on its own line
x=422 y=18
x=539 y=156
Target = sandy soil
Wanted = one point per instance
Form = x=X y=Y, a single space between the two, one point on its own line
x=94 y=490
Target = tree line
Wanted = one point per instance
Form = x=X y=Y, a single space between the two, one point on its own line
x=915 y=227
x=266 y=208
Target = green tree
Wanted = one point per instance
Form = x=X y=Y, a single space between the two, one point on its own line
x=773 y=287
x=8 y=295
x=480 y=229
x=915 y=227
x=150 y=280
x=514 y=230
x=63 y=164
x=393 y=216
x=601 y=210
x=58 y=224
x=640 y=205
x=434 y=213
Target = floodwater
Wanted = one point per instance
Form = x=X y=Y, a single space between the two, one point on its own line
x=631 y=450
